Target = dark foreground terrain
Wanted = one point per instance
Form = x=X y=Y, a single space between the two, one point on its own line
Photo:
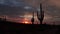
x=19 y=28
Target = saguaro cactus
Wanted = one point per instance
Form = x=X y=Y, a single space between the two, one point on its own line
x=41 y=15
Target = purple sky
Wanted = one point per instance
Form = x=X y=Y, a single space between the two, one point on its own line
x=17 y=8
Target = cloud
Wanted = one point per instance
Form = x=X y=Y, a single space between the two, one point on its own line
x=21 y=7
x=50 y=7
x=27 y=7
x=53 y=7
x=54 y=2
x=17 y=8
x=12 y=2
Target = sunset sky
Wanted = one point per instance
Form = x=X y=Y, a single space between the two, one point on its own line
x=18 y=9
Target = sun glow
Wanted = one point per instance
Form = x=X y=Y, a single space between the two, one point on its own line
x=26 y=22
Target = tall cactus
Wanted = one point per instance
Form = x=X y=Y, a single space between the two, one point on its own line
x=32 y=20
x=41 y=15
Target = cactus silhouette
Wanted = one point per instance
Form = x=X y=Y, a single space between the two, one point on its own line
x=4 y=18
x=32 y=20
x=41 y=15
